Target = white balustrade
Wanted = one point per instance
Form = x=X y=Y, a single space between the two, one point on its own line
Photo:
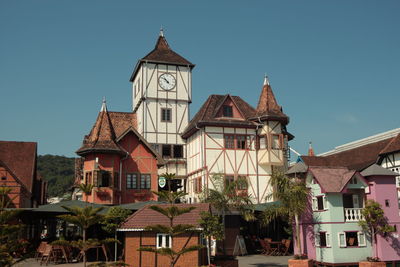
x=352 y=214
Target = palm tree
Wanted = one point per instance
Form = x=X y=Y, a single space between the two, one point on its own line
x=83 y=217
x=228 y=196
x=86 y=189
x=292 y=195
x=173 y=230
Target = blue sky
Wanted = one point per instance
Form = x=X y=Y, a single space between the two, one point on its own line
x=333 y=65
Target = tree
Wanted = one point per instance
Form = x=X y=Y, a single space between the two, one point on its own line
x=227 y=196
x=173 y=230
x=374 y=221
x=86 y=189
x=113 y=219
x=212 y=227
x=83 y=217
x=10 y=230
x=293 y=199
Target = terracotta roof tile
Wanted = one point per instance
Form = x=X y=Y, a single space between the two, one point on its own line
x=207 y=114
x=392 y=146
x=102 y=136
x=332 y=179
x=146 y=217
x=268 y=108
x=20 y=158
x=121 y=121
x=162 y=53
x=357 y=158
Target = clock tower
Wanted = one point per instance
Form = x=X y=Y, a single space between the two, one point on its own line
x=161 y=94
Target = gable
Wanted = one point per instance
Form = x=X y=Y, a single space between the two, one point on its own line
x=356 y=182
x=131 y=133
x=229 y=110
x=20 y=159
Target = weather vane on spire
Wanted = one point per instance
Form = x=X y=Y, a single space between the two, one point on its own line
x=103 y=105
x=266 y=81
x=161 y=31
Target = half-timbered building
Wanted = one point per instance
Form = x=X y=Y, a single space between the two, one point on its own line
x=229 y=137
x=118 y=161
x=162 y=92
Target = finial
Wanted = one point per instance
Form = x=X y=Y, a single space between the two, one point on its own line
x=103 y=105
x=266 y=81
x=162 y=32
x=310 y=149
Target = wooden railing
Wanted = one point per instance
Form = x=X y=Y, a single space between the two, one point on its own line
x=352 y=214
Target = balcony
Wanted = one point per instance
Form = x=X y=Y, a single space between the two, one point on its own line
x=353 y=214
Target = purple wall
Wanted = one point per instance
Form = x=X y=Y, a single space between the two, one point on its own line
x=383 y=188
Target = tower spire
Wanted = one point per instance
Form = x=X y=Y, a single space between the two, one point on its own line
x=161 y=32
x=103 y=105
x=266 y=80
x=310 y=149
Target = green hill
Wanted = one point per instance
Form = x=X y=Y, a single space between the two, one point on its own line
x=58 y=171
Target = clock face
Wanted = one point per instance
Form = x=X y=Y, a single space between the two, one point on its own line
x=167 y=81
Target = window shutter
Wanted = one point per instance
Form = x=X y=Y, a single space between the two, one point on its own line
x=314 y=204
x=328 y=239
x=325 y=203
x=342 y=239
x=361 y=239
x=317 y=239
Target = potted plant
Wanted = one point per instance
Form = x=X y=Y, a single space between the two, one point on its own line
x=372 y=262
x=300 y=260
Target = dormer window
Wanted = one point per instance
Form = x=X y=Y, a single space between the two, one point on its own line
x=227 y=111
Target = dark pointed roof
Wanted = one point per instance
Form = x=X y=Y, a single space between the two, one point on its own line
x=207 y=115
x=268 y=108
x=162 y=53
x=102 y=136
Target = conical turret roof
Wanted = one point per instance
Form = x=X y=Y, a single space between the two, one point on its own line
x=268 y=108
x=102 y=136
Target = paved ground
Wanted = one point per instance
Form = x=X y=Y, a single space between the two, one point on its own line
x=244 y=261
x=263 y=261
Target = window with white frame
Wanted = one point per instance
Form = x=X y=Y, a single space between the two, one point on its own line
x=323 y=239
x=164 y=241
x=351 y=239
x=320 y=203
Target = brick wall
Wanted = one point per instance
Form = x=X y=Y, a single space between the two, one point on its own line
x=133 y=240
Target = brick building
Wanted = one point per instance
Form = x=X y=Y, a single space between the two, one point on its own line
x=136 y=236
x=18 y=171
x=118 y=161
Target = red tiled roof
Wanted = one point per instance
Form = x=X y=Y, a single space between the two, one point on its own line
x=207 y=114
x=162 y=53
x=392 y=146
x=102 y=136
x=147 y=217
x=20 y=158
x=332 y=179
x=121 y=121
x=268 y=108
x=357 y=158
